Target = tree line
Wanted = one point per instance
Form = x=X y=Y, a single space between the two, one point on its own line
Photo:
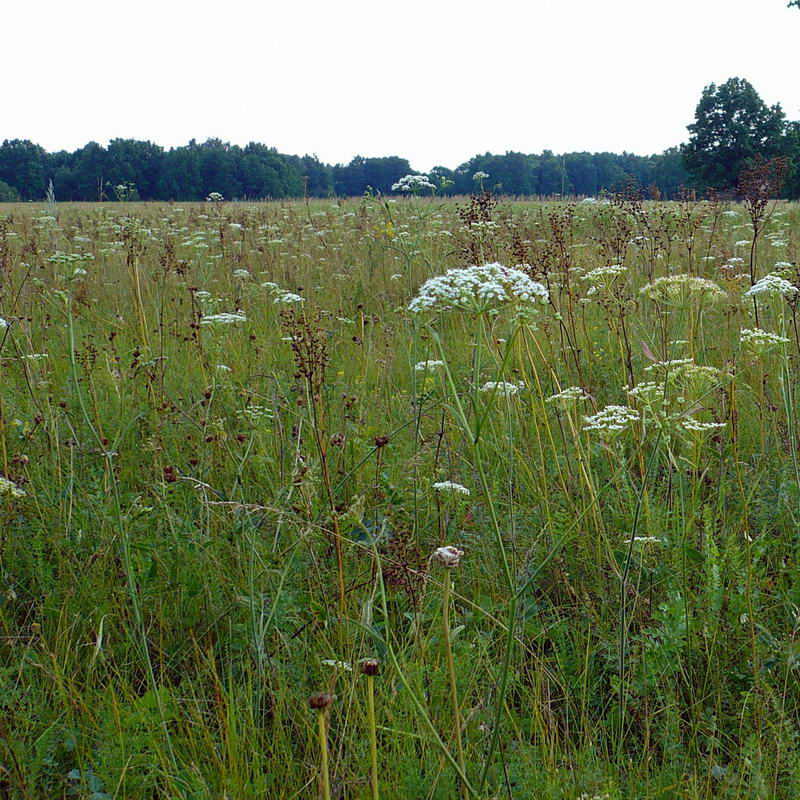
x=732 y=127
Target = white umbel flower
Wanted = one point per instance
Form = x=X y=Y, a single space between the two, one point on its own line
x=679 y=289
x=224 y=318
x=760 y=342
x=449 y=486
x=502 y=388
x=480 y=289
x=771 y=285
x=612 y=419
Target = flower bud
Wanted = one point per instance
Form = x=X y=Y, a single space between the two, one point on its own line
x=370 y=666
x=448 y=556
x=321 y=700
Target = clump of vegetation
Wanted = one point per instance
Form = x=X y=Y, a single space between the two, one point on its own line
x=515 y=483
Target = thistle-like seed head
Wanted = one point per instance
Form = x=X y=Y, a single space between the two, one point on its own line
x=321 y=700
x=370 y=666
x=448 y=556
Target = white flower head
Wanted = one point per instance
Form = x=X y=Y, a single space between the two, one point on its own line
x=428 y=366
x=760 y=342
x=503 y=388
x=771 y=285
x=449 y=486
x=412 y=183
x=9 y=487
x=678 y=290
x=224 y=318
x=568 y=396
x=480 y=289
x=611 y=420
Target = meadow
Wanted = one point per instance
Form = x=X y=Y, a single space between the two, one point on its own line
x=291 y=511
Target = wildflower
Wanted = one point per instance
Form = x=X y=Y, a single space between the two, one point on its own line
x=692 y=424
x=480 y=175
x=428 y=366
x=214 y=197
x=679 y=289
x=449 y=486
x=612 y=419
x=647 y=392
x=502 y=388
x=241 y=274
x=9 y=487
x=448 y=556
x=480 y=289
x=288 y=297
x=370 y=666
x=223 y=319
x=760 y=342
x=771 y=285
x=568 y=396
x=412 y=183
x=643 y=540
x=602 y=276
x=331 y=662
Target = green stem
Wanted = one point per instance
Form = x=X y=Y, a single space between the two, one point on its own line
x=451 y=671
x=323 y=749
x=373 y=742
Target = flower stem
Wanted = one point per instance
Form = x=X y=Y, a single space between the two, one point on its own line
x=451 y=671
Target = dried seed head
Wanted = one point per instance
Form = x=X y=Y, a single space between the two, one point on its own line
x=321 y=700
x=448 y=556
x=370 y=666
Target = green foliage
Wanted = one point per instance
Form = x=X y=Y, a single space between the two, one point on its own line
x=168 y=579
x=732 y=126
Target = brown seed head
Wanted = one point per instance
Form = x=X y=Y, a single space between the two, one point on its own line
x=320 y=700
x=370 y=666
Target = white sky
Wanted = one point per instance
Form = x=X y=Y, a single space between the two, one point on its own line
x=436 y=81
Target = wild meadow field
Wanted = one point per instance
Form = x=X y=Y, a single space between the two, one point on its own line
x=424 y=498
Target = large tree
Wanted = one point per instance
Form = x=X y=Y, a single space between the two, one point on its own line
x=732 y=126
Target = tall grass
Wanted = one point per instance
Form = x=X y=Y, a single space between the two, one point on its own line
x=212 y=518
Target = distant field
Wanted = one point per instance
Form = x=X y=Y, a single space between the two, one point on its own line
x=231 y=452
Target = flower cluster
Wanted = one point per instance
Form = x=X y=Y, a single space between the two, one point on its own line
x=224 y=318
x=412 y=183
x=428 y=366
x=602 y=276
x=760 y=342
x=449 y=486
x=9 y=487
x=611 y=419
x=502 y=388
x=679 y=289
x=481 y=289
x=771 y=285
x=568 y=396
x=692 y=424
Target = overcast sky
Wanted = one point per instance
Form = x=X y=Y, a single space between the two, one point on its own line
x=436 y=81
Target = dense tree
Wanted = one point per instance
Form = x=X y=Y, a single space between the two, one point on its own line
x=22 y=165
x=8 y=194
x=732 y=126
x=257 y=171
x=136 y=162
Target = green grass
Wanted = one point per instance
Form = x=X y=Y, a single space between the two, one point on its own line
x=170 y=588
